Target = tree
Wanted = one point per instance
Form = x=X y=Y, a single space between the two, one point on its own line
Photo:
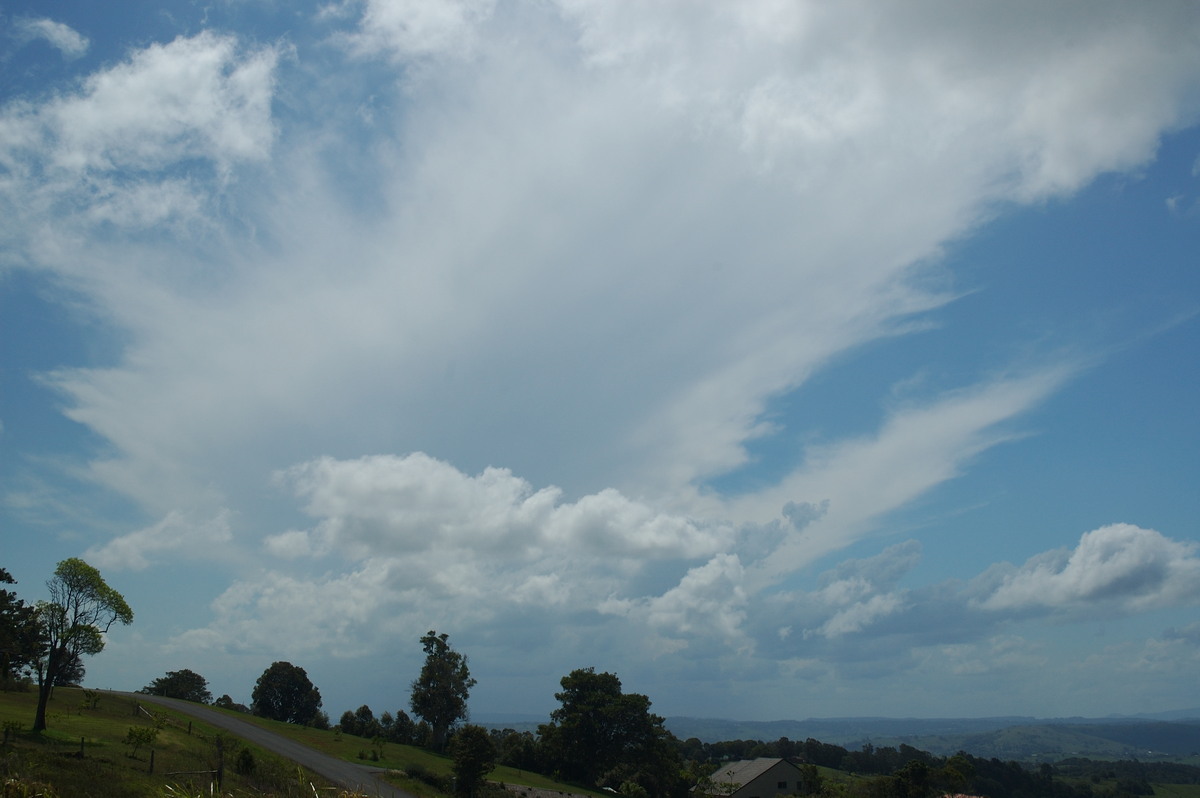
x=439 y=694
x=402 y=729
x=225 y=702
x=138 y=736
x=284 y=692
x=185 y=684
x=361 y=722
x=601 y=733
x=474 y=757
x=81 y=610
x=20 y=634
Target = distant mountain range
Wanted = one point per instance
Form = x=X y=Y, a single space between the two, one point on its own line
x=1166 y=735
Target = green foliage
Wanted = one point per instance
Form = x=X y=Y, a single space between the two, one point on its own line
x=439 y=694
x=20 y=635
x=631 y=789
x=602 y=735
x=183 y=684
x=474 y=757
x=225 y=702
x=284 y=692
x=361 y=722
x=137 y=736
x=81 y=609
x=244 y=763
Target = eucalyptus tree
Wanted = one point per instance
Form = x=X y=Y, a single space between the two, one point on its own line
x=81 y=610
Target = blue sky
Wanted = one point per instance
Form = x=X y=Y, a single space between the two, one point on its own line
x=788 y=360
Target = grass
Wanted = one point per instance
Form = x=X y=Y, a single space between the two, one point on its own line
x=1177 y=790
x=404 y=759
x=83 y=753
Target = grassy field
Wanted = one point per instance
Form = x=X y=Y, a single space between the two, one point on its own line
x=1177 y=790
x=404 y=758
x=83 y=753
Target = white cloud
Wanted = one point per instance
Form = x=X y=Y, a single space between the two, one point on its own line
x=576 y=255
x=708 y=603
x=387 y=505
x=195 y=97
x=283 y=615
x=175 y=536
x=66 y=39
x=409 y=29
x=1118 y=565
x=124 y=148
x=656 y=348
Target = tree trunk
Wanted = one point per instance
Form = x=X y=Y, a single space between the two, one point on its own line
x=46 y=678
x=39 y=720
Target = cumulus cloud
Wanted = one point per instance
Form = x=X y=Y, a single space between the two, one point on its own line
x=388 y=505
x=173 y=537
x=1119 y=565
x=64 y=38
x=708 y=604
x=859 y=612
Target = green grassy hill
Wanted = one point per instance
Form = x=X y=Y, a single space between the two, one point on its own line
x=83 y=752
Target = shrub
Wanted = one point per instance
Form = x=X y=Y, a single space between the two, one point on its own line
x=139 y=736
x=245 y=763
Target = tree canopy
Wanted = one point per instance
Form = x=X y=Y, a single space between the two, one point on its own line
x=284 y=692
x=19 y=632
x=81 y=609
x=439 y=694
x=602 y=734
x=185 y=684
x=474 y=757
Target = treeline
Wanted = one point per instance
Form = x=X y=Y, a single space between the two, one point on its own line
x=908 y=772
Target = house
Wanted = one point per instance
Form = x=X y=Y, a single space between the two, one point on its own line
x=753 y=778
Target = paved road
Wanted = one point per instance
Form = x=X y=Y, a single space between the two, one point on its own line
x=346 y=774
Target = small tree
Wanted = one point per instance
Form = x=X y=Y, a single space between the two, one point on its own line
x=81 y=609
x=137 y=736
x=185 y=684
x=474 y=757
x=439 y=694
x=284 y=692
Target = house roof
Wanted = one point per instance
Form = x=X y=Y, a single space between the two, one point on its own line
x=745 y=771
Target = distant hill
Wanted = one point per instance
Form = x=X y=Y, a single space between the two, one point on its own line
x=1005 y=738
x=1114 y=740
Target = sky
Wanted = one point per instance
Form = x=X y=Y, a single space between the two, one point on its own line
x=786 y=359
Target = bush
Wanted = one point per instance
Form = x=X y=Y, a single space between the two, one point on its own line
x=244 y=764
